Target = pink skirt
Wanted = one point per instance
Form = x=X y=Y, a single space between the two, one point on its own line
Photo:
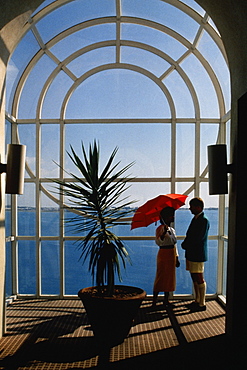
x=165 y=280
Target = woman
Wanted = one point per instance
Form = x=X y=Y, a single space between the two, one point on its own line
x=167 y=258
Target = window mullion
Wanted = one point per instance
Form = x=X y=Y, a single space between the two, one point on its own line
x=61 y=211
x=38 y=210
x=173 y=156
x=197 y=158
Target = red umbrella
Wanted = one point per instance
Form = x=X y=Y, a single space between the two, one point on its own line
x=150 y=211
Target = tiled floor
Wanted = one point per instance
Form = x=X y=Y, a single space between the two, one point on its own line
x=55 y=334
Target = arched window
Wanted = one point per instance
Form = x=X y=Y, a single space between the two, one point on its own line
x=150 y=77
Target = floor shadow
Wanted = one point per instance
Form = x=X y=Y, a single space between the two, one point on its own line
x=59 y=350
x=44 y=340
x=147 y=313
x=54 y=341
x=211 y=353
x=54 y=326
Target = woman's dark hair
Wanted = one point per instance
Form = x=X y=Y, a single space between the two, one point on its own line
x=167 y=211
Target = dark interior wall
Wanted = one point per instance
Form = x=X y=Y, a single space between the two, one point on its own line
x=230 y=18
x=13 y=16
x=12 y=9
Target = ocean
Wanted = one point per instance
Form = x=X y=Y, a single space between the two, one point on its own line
x=140 y=272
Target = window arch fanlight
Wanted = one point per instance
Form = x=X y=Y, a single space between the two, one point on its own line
x=150 y=77
x=173 y=64
x=121 y=66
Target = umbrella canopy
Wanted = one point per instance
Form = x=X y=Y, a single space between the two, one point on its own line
x=150 y=211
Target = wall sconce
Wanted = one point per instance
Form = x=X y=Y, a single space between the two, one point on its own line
x=14 y=168
x=218 y=169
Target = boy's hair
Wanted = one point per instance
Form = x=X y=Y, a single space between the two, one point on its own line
x=197 y=202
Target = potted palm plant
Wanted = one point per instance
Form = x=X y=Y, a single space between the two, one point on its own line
x=99 y=196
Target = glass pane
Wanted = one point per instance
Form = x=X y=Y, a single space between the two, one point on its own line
x=210 y=201
x=148 y=145
x=141 y=192
x=82 y=38
x=22 y=55
x=118 y=94
x=183 y=218
x=27 y=211
x=43 y=5
x=161 y=12
x=211 y=267
x=153 y=37
x=139 y=231
x=212 y=54
x=8 y=269
x=33 y=86
x=183 y=279
x=200 y=79
x=49 y=217
x=50 y=146
x=77 y=275
x=92 y=59
x=213 y=217
x=27 y=267
x=180 y=94
x=27 y=135
x=209 y=134
x=144 y=59
x=185 y=152
x=193 y=4
x=50 y=270
x=54 y=97
x=143 y=256
x=73 y=13
x=185 y=188
x=70 y=228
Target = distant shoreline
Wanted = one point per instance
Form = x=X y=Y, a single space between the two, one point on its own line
x=52 y=209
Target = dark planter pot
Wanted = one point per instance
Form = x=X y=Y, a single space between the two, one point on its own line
x=111 y=318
